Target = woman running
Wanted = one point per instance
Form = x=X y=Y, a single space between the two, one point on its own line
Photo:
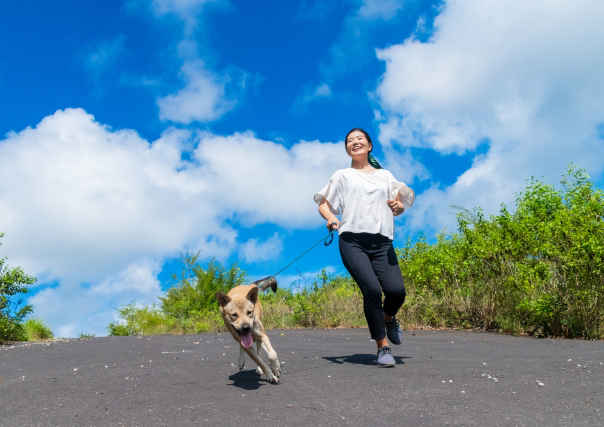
x=368 y=197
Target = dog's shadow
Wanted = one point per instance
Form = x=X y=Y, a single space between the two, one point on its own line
x=362 y=359
x=247 y=380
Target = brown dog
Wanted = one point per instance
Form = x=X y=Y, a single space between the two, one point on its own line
x=241 y=312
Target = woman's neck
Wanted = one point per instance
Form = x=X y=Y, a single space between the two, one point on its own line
x=361 y=164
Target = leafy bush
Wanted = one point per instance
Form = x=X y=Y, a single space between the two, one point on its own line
x=118 y=330
x=86 y=335
x=538 y=270
x=13 y=281
x=195 y=293
x=188 y=307
x=36 y=330
x=11 y=330
x=330 y=301
x=141 y=321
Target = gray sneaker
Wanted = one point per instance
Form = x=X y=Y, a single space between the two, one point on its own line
x=384 y=357
x=393 y=330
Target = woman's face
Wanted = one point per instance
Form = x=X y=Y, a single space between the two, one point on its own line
x=357 y=144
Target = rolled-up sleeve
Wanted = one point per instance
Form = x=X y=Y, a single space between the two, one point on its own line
x=402 y=191
x=331 y=192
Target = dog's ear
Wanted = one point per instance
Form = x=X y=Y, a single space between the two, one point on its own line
x=252 y=295
x=222 y=299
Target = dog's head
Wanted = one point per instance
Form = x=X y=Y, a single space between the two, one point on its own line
x=238 y=311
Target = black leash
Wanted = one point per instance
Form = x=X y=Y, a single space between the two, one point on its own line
x=326 y=241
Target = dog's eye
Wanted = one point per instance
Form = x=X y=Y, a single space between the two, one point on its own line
x=249 y=313
x=234 y=315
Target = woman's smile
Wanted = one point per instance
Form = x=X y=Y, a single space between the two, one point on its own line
x=357 y=143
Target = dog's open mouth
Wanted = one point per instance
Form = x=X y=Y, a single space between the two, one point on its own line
x=246 y=340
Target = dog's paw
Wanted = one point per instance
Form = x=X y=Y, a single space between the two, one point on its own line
x=241 y=366
x=272 y=379
x=277 y=372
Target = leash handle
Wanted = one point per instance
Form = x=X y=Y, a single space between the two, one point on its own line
x=329 y=238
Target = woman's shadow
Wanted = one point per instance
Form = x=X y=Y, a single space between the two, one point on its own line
x=362 y=359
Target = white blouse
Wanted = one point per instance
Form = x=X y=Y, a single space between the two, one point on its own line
x=360 y=197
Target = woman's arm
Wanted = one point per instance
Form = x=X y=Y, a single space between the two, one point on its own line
x=398 y=205
x=333 y=223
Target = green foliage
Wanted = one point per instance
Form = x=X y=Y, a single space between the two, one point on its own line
x=191 y=306
x=36 y=330
x=329 y=302
x=13 y=281
x=196 y=291
x=140 y=321
x=11 y=330
x=85 y=336
x=188 y=307
x=538 y=270
x=118 y=330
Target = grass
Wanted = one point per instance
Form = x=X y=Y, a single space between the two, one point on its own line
x=36 y=330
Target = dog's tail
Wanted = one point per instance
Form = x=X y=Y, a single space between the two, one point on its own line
x=267 y=282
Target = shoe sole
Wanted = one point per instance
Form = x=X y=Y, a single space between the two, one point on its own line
x=385 y=365
x=393 y=342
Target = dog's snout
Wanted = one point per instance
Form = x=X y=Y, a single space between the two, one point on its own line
x=245 y=329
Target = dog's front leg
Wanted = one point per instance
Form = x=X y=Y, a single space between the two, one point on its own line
x=253 y=353
x=258 y=351
x=271 y=354
x=241 y=358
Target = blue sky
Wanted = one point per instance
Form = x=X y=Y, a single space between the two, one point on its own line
x=136 y=131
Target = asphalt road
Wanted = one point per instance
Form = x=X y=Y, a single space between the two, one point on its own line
x=329 y=378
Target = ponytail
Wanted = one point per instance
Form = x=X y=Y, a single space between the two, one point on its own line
x=373 y=162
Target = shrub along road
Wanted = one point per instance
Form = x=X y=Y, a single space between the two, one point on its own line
x=442 y=378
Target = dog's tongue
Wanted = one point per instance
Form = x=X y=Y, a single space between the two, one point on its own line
x=247 y=340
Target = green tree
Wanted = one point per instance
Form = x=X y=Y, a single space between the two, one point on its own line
x=196 y=291
x=13 y=282
x=188 y=307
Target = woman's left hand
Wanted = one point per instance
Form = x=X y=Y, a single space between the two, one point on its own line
x=396 y=207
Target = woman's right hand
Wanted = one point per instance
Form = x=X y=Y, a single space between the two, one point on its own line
x=333 y=224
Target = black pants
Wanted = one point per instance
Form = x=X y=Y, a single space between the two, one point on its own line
x=371 y=261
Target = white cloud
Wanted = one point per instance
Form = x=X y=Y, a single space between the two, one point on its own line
x=265 y=182
x=525 y=75
x=138 y=278
x=202 y=99
x=82 y=203
x=253 y=251
x=207 y=94
x=71 y=309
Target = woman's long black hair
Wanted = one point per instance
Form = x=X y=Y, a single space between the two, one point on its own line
x=372 y=160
